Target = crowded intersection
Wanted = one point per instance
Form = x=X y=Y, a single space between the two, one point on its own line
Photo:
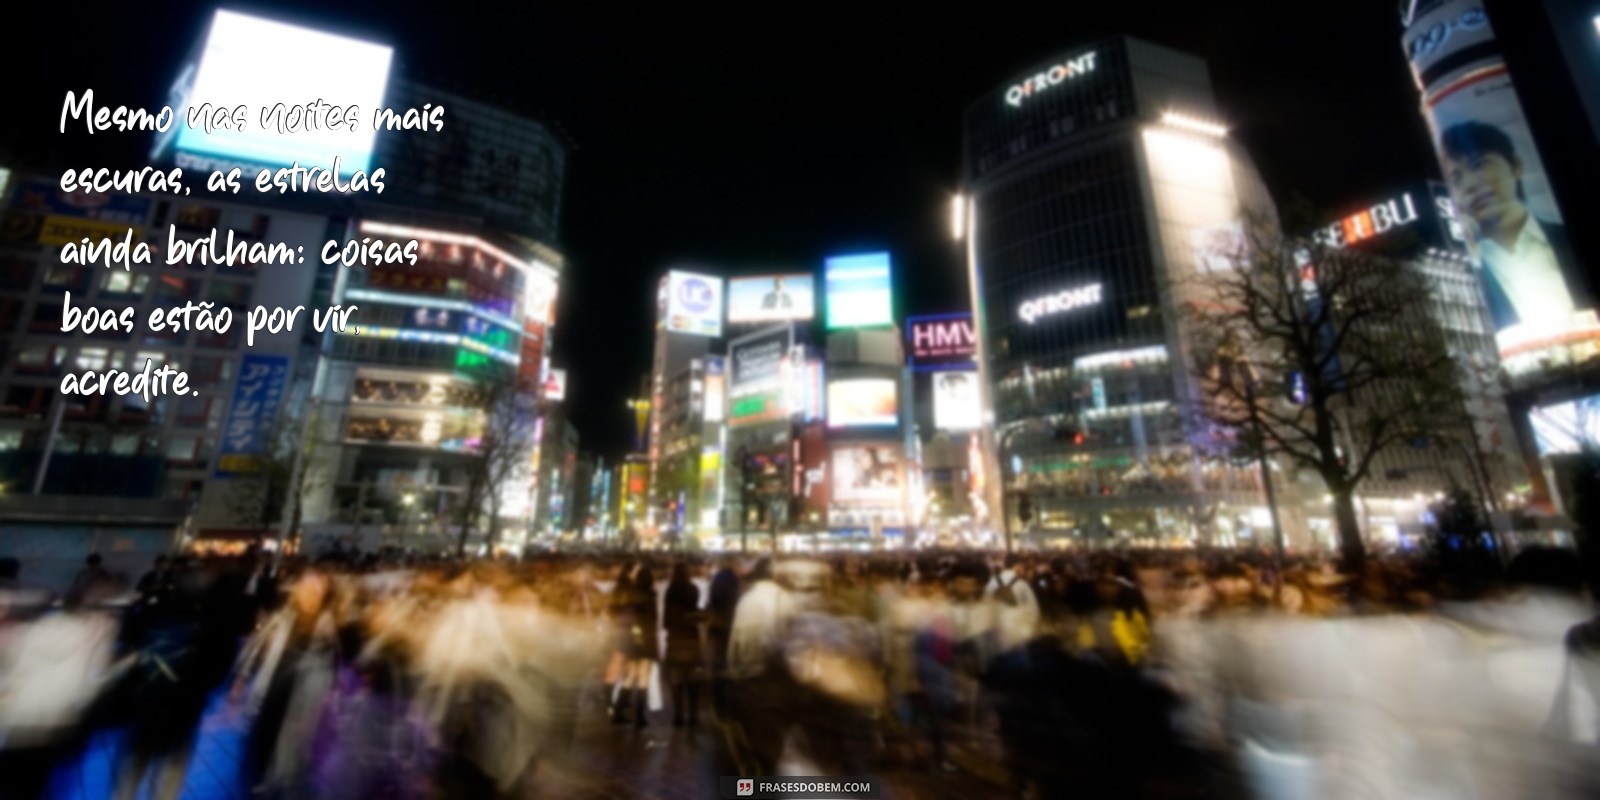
x=943 y=674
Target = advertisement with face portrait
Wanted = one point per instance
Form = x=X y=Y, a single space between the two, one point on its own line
x=866 y=473
x=957 y=405
x=771 y=298
x=1538 y=295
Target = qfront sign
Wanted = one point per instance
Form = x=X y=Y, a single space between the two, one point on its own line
x=1066 y=70
x=1060 y=302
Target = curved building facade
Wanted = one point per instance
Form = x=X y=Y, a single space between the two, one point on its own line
x=1093 y=183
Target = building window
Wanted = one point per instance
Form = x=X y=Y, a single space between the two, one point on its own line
x=183 y=447
x=92 y=358
x=121 y=282
x=15 y=273
x=67 y=277
x=37 y=359
x=46 y=318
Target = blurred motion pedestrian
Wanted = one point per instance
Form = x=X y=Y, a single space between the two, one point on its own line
x=684 y=657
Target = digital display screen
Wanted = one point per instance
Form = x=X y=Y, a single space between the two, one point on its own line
x=863 y=402
x=771 y=298
x=957 y=403
x=866 y=473
x=858 y=289
x=260 y=63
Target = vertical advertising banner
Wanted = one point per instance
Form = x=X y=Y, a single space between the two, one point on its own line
x=1539 y=296
x=716 y=390
x=247 y=432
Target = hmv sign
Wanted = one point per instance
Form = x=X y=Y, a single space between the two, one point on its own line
x=942 y=340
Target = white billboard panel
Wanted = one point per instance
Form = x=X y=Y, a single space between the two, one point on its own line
x=261 y=64
x=694 y=303
x=771 y=298
x=957 y=404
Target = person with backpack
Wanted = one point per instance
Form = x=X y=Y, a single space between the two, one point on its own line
x=1018 y=607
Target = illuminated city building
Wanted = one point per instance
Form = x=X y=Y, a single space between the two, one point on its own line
x=439 y=378
x=1084 y=200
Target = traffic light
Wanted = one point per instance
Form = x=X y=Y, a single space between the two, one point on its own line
x=1024 y=509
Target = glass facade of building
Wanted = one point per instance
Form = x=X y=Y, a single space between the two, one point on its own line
x=1084 y=208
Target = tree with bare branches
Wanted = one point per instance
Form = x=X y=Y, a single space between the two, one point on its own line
x=509 y=418
x=1322 y=357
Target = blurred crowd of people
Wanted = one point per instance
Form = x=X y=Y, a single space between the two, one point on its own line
x=1092 y=673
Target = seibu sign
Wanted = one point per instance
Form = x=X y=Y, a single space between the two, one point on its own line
x=941 y=339
x=1066 y=70
x=1395 y=212
x=1060 y=302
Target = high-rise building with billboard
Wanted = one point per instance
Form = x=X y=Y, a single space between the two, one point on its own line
x=1088 y=182
x=400 y=428
x=1511 y=95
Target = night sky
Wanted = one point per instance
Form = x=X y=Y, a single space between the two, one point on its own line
x=764 y=139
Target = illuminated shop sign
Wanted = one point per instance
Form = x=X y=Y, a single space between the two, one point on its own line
x=1396 y=212
x=942 y=339
x=1066 y=70
x=1060 y=302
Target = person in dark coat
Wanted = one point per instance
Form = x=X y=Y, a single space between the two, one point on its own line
x=683 y=660
x=724 y=598
x=634 y=612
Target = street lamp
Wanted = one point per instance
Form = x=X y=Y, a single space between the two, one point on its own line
x=1233 y=365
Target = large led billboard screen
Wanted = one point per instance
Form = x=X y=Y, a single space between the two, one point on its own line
x=868 y=473
x=1538 y=294
x=858 y=289
x=261 y=64
x=957 y=404
x=771 y=298
x=694 y=304
x=863 y=403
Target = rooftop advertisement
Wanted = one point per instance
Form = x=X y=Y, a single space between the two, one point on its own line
x=261 y=64
x=858 y=289
x=771 y=298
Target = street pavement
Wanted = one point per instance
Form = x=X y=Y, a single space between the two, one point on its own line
x=606 y=761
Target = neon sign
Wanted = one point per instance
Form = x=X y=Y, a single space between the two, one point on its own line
x=1071 y=68
x=1375 y=221
x=1060 y=302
